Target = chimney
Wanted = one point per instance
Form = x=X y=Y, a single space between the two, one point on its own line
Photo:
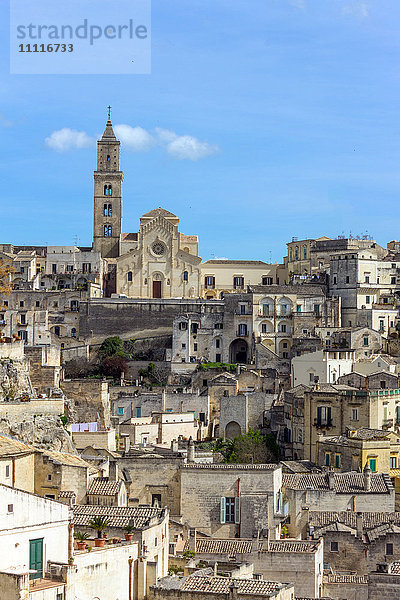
x=367 y=478
x=190 y=451
x=174 y=446
x=113 y=470
x=359 y=523
x=331 y=480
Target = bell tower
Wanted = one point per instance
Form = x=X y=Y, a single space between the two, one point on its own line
x=108 y=194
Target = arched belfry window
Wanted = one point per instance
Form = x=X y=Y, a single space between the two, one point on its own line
x=109 y=231
x=105 y=209
x=109 y=210
x=108 y=190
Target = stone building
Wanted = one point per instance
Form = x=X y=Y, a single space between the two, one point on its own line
x=222 y=276
x=161 y=262
x=304 y=492
x=356 y=542
x=150 y=529
x=202 y=585
x=57 y=472
x=239 y=413
x=91 y=400
x=378 y=449
x=332 y=409
x=290 y=314
x=228 y=500
x=297 y=561
x=17 y=462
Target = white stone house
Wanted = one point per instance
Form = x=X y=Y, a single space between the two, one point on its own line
x=323 y=366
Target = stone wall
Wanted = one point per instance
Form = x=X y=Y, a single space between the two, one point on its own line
x=91 y=400
x=154 y=475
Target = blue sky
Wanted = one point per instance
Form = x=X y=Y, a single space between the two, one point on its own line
x=261 y=120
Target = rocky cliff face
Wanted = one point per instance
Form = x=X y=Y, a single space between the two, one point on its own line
x=46 y=433
x=14 y=378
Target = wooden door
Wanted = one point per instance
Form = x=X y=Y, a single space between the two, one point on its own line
x=156 y=289
x=36 y=557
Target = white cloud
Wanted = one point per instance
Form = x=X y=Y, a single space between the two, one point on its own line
x=188 y=147
x=134 y=138
x=137 y=139
x=68 y=139
x=357 y=9
x=301 y=4
x=5 y=122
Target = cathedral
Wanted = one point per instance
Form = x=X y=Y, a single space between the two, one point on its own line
x=158 y=261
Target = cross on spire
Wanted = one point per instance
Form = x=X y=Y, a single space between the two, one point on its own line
x=109 y=112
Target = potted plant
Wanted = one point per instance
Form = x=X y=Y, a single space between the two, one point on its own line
x=99 y=524
x=284 y=532
x=129 y=529
x=81 y=536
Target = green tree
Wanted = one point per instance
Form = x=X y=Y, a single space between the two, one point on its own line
x=112 y=346
x=252 y=447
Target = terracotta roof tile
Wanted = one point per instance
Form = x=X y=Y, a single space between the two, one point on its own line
x=344 y=483
x=102 y=486
x=221 y=585
x=118 y=516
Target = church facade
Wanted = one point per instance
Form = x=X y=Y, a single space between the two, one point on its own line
x=158 y=261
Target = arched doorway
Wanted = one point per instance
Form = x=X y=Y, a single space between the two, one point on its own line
x=238 y=351
x=232 y=430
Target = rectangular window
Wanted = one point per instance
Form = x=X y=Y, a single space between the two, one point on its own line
x=367 y=299
x=138 y=411
x=194 y=346
x=218 y=357
x=22 y=319
x=54 y=269
x=120 y=410
x=316 y=309
x=283 y=309
x=393 y=462
x=267 y=281
x=347 y=279
x=263 y=328
x=21 y=304
x=393 y=280
x=7 y=471
x=183 y=346
x=265 y=310
x=366 y=341
x=209 y=282
x=389 y=549
x=282 y=328
x=327 y=459
x=298 y=308
x=242 y=329
x=354 y=414
x=372 y=464
x=182 y=326
x=238 y=282
x=218 y=326
x=366 y=280
x=337 y=461
x=230 y=510
x=334 y=546
x=324 y=416
x=37 y=304
x=49 y=477
x=10 y=508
